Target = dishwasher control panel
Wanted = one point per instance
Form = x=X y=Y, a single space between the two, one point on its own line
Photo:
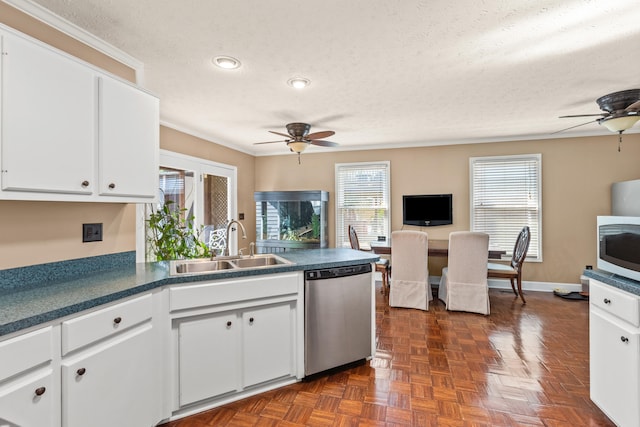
x=331 y=273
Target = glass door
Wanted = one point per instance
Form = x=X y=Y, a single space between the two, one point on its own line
x=204 y=191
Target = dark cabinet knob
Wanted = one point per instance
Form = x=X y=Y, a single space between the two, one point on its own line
x=85 y=183
x=228 y=323
x=117 y=320
x=624 y=339
x=81 y=371
x=251 y=320
x=112 y=186
x=40 y=391
x=607 y=301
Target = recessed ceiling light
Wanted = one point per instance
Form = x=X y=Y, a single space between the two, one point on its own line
x=226 y=62
x=299 y=82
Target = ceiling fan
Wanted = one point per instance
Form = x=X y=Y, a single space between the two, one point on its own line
x=299 y=138
x=621 y=112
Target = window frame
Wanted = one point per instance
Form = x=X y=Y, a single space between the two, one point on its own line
x=200 y=167
x=535 y=226
x=342 y=238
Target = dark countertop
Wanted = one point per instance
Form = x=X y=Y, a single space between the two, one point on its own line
x=614 y=280
x=35 y=295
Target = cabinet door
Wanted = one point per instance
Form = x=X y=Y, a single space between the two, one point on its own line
x=112 y=384
x=208 y=353
x=29 y=401
x=129 y=141
x=614 y=368
x=268 y=337
x=48 y=120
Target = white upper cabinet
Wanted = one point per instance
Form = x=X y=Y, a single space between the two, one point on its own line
x=69 y=131
x=48 y=120
x=129 y=127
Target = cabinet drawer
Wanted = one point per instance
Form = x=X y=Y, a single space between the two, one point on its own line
x=100 y=324
x=619 y=303
x=25 y=351
x=222 y=292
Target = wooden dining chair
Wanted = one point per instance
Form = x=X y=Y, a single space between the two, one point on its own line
x=382 y=265
x=513 y=270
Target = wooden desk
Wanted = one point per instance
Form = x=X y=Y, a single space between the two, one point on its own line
x=437 y=248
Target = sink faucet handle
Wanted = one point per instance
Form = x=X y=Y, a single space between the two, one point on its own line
x=252 y=248
x=240 y=251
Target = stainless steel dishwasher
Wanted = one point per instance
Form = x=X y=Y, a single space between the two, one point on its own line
x=338 y=324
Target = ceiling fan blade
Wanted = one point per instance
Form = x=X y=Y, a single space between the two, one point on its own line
x=633 y=107
x=269 y=142
x=320 y=135
x=281 y=134
x=581 y=124
x=323 y=143
x=584 y=115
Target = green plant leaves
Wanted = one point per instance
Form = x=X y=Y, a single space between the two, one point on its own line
x=172 y=235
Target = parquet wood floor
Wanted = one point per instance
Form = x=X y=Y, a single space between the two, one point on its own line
x=524 y=365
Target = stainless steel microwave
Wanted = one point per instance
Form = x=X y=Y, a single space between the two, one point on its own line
x=619 y=245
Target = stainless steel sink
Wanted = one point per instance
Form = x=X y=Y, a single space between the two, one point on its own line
x=263 y=260
x=199 y=266
x=206 y=266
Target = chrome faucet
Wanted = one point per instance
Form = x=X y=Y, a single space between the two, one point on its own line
x=252 y=248
x=244 y=235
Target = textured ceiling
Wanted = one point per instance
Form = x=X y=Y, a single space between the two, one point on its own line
x=392 y=73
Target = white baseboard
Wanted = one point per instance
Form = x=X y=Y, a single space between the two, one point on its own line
x=526 y=285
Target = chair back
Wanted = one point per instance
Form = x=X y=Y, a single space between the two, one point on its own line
x=410 y=279
x=353 y=238
x=521 y=247
x=468 y=253
x=409 y=255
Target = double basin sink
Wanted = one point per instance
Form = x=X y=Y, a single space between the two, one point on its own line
x=241 y=262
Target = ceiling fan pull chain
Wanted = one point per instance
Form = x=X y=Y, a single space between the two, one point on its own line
x=298 y=158
x=619 y=140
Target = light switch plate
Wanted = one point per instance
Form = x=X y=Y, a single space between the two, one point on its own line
x=92 y=232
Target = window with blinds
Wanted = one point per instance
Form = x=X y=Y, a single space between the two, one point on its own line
x=506 y=195
x=363 y=201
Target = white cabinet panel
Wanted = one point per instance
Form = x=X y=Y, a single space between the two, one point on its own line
x=29 y=401
x=129 y=127
x=48 y=120
x=208 y=356
x=70 y=132
x=26 y=351
x=268 y=336
x=615 y=359
x=614 y=352
x=112 y=385
x=86 y=329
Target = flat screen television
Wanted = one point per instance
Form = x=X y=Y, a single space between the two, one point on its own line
x=427 y=210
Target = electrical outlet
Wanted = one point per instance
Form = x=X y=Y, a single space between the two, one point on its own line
x=92 y=232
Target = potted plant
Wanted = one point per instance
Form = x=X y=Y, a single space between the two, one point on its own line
x=172 y=235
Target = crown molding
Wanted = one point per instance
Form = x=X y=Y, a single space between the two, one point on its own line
x=64 y=26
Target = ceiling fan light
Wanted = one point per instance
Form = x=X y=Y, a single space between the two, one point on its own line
x=620 y=124
x=298 y=82
x=298 y=146
x=226 y=62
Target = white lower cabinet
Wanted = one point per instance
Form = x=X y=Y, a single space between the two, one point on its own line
x=29 y=392
x=228 y=344
x=109 y=369
x=614 y=350
x=208 y=356
x=267 y=343
x=111 y=385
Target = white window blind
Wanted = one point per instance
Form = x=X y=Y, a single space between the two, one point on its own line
x=506 y=195
x=362 y=200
